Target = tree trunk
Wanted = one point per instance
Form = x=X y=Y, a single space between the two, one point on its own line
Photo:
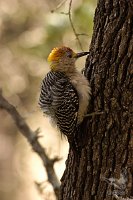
x=108 y=152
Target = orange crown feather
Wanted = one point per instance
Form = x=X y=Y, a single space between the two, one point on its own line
x=57 y=52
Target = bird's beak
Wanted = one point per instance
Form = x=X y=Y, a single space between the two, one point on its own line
x=78 y=55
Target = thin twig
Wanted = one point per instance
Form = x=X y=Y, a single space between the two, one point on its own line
x=82 y=34
x=72 y=25
x=64 y=13
x=94 y=113
x=32 y=137
x=71 y=22
x=58 y=6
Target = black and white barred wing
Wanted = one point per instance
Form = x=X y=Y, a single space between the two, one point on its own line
x=46 y=97
x=65 y=103
x=59 y=100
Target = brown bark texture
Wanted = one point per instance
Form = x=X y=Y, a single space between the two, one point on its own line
x=108 y=148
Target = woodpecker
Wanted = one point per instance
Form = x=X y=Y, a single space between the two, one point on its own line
x=65 y=92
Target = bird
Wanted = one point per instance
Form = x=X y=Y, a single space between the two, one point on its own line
x=65 y=93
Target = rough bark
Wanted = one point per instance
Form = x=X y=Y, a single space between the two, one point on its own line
x=109 y=141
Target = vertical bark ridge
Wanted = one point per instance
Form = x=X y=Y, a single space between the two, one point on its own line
x=89 y=175
x=81 y=175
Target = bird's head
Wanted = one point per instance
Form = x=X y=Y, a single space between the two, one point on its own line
x=63 y=58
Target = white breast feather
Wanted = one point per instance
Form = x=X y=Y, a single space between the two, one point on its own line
x=82 y=86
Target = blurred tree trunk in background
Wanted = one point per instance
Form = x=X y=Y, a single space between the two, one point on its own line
x=109 y=143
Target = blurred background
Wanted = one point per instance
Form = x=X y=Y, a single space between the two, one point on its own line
x=28 y=32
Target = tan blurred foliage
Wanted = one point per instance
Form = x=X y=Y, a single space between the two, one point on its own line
x=28 y=31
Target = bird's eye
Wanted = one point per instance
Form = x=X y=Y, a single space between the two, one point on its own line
x=69 y=55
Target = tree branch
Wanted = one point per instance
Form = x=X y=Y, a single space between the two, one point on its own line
x=32 y=137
